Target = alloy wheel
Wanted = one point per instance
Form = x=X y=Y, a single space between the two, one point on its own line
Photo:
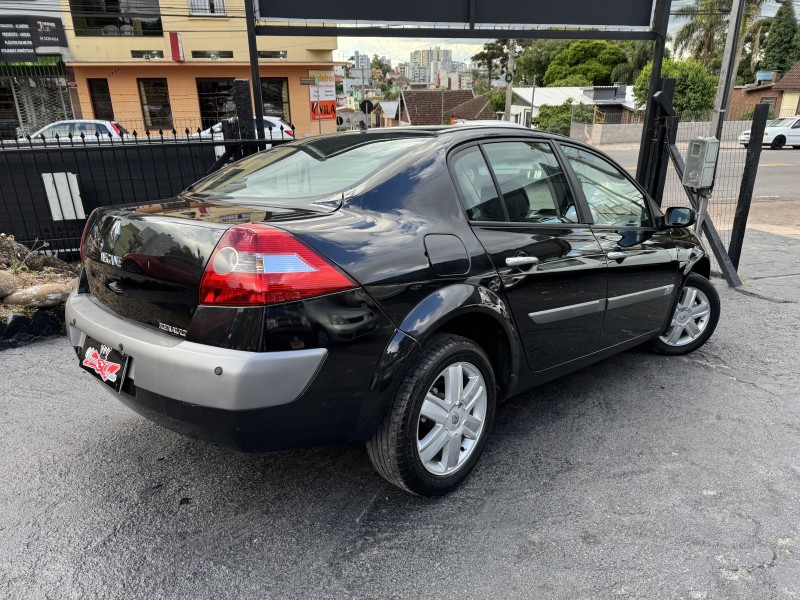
x=452 y=418
x=691 y=316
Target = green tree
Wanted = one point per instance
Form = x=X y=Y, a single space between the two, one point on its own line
x=637 y=54
x=592 y=59
x=573 y=80
x=695 y=87
x=497 y=99
x=702 y=36
x=491 y=54
x=558 y=118
x=535 y=59
x=780 y=51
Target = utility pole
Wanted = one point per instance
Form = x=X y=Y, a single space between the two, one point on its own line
x=255 y=78
x=724 y=90
x=509 y=79
x=727 y=75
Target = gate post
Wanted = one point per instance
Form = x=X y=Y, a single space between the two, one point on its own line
x=748 y=181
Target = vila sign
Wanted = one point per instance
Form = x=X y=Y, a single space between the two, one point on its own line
x=322 y=96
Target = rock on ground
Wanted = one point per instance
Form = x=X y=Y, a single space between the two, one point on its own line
x=9 y=283
x=42 y=296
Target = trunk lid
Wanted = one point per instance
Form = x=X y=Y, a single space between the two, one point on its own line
x=145 y=263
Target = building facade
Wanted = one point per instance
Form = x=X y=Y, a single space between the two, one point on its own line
x=34 y=81
x=154 y=68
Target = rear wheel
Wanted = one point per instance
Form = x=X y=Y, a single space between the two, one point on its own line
x=778 y=143
x=694 y=319
x=438 y=424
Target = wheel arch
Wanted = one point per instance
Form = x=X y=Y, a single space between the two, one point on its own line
x=702 y=267
x=476 y=313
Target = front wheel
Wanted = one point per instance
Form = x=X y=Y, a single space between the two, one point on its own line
x=694 y=318
x=437 y=427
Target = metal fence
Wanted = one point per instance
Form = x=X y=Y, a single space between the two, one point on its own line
x=49 y=187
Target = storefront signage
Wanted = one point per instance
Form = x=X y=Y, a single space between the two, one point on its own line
x=322 y=96
x=21 y=36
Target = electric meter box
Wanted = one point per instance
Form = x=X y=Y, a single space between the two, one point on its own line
x=701 y=162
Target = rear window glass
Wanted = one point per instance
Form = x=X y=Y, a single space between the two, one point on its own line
x=310 y=169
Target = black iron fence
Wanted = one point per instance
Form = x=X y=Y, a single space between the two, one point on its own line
x=49 y=186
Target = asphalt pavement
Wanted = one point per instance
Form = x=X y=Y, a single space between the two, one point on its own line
x=640 y=477
x=777 y=170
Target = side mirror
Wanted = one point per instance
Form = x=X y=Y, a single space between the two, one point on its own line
x=679 y=216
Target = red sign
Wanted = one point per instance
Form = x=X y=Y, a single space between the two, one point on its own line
x=176 y=46
x=323 y=110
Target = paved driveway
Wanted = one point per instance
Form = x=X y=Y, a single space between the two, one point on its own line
x=640 y=477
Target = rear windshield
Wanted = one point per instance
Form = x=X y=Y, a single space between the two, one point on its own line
x=307 y=170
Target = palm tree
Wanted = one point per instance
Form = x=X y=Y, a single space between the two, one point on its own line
x=706 y=24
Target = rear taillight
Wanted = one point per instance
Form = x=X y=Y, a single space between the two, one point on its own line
x=258 y=264
x=116 y=129
x=288 y=132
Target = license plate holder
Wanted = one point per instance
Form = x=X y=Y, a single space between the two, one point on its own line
x=106 y=364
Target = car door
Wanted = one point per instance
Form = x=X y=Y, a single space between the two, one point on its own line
x=643 y=273
x=551 y=267
x=793 y=137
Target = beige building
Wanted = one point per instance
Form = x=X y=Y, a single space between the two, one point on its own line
x=159 y=67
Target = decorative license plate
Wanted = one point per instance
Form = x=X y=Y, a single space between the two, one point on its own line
x=108 y=365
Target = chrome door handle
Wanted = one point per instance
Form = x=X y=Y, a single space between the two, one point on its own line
x=521 y=261
x=617 y=255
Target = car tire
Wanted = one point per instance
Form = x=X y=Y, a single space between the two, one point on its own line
x=778 y=143
x=796 y=147
x=698 y=304
x=429 y=447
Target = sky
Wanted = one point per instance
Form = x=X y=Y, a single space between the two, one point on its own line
x=398 y=49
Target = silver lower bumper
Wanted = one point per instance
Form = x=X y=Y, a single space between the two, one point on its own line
x=185 y=371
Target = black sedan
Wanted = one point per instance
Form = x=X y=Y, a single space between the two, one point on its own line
x=390 y=286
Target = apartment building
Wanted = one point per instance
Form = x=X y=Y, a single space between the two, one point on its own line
x=152 y=65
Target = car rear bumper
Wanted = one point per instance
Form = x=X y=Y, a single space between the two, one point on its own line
x=199 y=375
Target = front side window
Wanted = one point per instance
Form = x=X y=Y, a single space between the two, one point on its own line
x=532 y=183
x=156 y=109
x=613 y=200
x=476 y=186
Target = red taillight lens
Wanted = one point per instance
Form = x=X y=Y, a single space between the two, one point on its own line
x=116 y=129
x=258 y=264
x=288 y=132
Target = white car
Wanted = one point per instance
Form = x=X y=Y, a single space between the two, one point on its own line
x=274 y=129
x=778 y=133
x=90 y=128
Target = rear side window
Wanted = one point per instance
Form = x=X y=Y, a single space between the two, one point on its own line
x=477 y=188
x=532 y=183
x=311 y=169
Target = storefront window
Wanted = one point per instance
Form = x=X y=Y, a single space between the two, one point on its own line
x=275 y=95
x=101 y=99
x=156 y=109
x=215 y=97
